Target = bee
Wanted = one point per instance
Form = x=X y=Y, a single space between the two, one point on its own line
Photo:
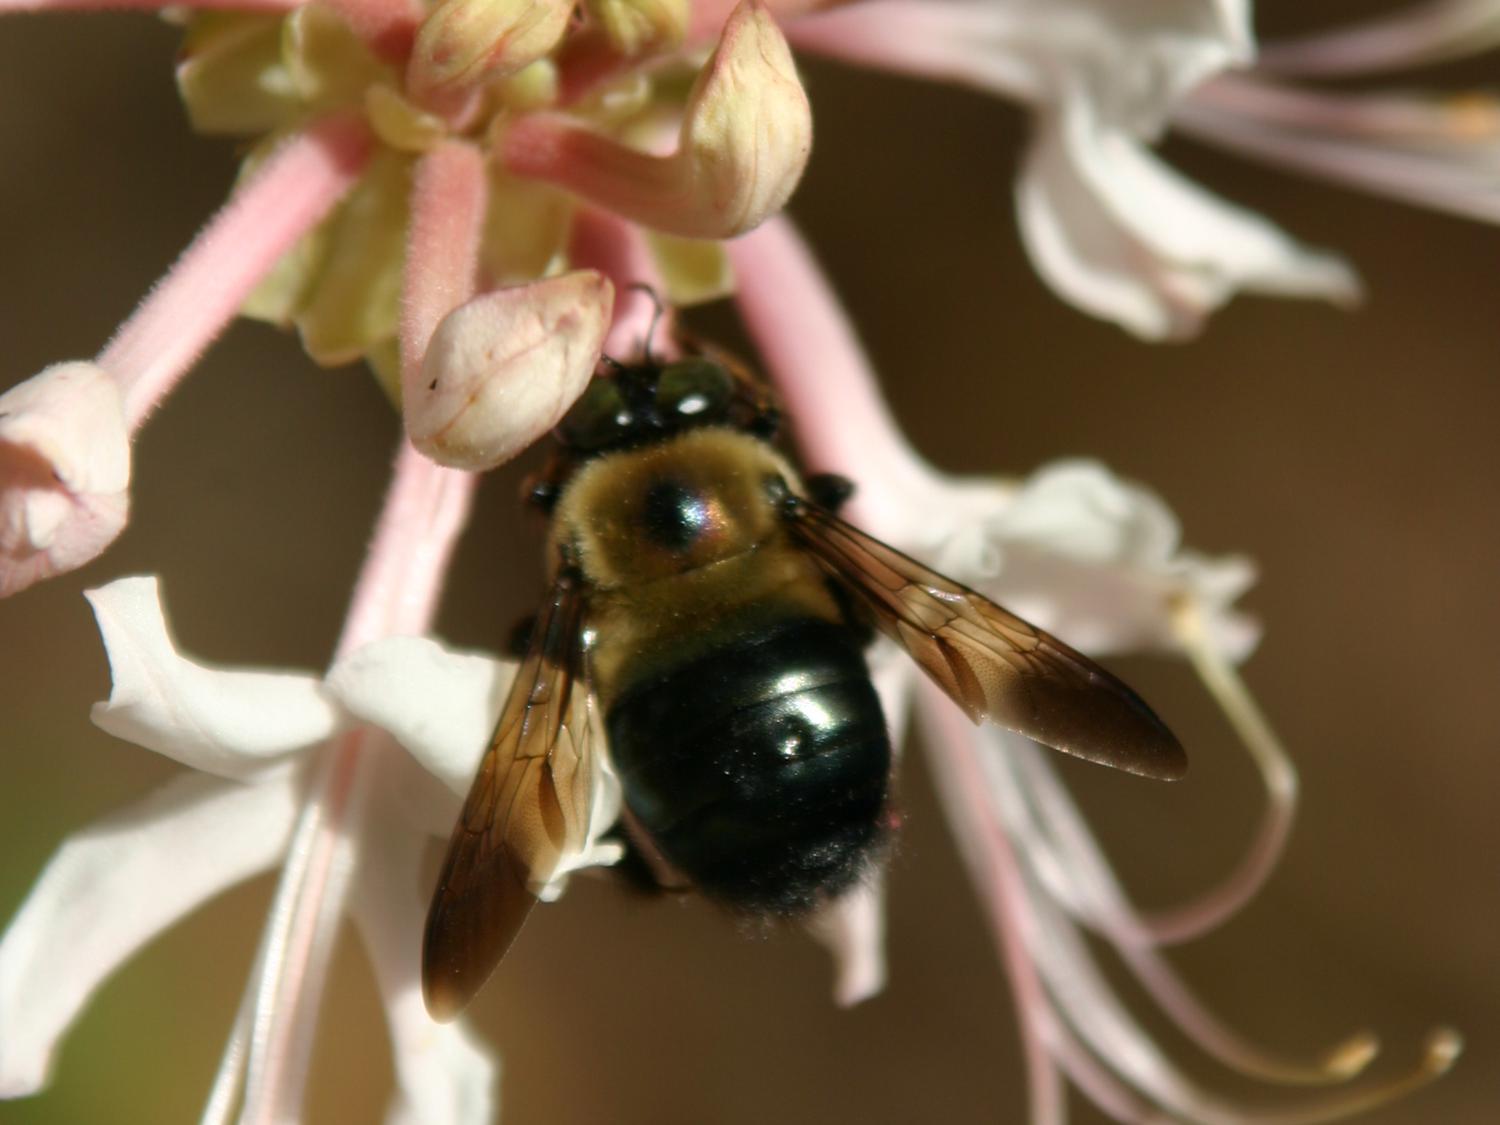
x=705 y=626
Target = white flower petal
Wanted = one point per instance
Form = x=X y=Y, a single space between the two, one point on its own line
x=1092 y=558
x=440 y=704
x=444 y=1074
x=1121 y=235
x=853 y=929
x=1133 y=58
x=111 y=888
x=233 y=724
x=64 y=472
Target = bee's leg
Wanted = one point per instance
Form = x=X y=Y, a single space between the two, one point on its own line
x=829 y=490
x=519 y=641
x=636 y=869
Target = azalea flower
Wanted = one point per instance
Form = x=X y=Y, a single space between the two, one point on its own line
x=1112 y=227
x=461 y=197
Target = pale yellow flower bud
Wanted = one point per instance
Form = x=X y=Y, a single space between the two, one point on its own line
x=502 y=369
x=465 y=42
x=748 y=131
x=638 y=27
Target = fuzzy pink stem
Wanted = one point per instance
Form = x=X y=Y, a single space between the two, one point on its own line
x=442 y=249
x=618 y=250
x=396 y=594
x=829 y=386
x=205 y=288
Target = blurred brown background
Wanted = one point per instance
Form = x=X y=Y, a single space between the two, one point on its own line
x=1354 y=455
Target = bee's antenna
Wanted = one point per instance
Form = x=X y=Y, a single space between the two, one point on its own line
x=661 y=310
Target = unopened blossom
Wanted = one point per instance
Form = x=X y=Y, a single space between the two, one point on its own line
x=1113 y=228
x=66 y=453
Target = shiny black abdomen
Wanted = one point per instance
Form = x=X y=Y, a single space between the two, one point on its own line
x=760 y=767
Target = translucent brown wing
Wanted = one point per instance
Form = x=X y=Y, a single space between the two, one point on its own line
x=528 y=809
x=993 y=664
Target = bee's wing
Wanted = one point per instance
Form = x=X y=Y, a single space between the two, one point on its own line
x=993 y=664
x=527 y=810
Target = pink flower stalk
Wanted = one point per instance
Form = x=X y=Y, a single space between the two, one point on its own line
x=65 y=434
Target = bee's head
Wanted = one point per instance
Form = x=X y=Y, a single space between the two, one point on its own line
x=630 y=405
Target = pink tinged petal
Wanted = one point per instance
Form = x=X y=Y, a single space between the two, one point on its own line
x=1134 y=60
x=852 y=927
x=1411 y=36
x=503 y=369
x=231 y=724
x=465 y=43
x=113 y=887
x=442 y=706
x=444 y=1073
x=205 y=288
x=439 y=704
x=743 y=144
x=1122 y=236
x=1097 y=560
x=1430 y=150
x=64 y=472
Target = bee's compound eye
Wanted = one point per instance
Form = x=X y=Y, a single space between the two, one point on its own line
x=693 y=388
x=599 y=417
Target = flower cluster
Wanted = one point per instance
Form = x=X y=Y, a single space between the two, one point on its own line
x=462 y=195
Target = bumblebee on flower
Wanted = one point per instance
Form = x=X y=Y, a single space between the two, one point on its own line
x=564 y=159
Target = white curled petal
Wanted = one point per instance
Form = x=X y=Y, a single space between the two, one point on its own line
x=229 y=723
x=443 y=1072
x=608 y=797
x=114 y=886
x=1122 y=236
x=440 y=704
x=64 y=472
x=852 y=927
x=1099 y=562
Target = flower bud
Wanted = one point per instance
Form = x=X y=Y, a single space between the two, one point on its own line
x=638 y=27
x=464 y=42
x=64 y=472
x=501 y=370
x=745 y=139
